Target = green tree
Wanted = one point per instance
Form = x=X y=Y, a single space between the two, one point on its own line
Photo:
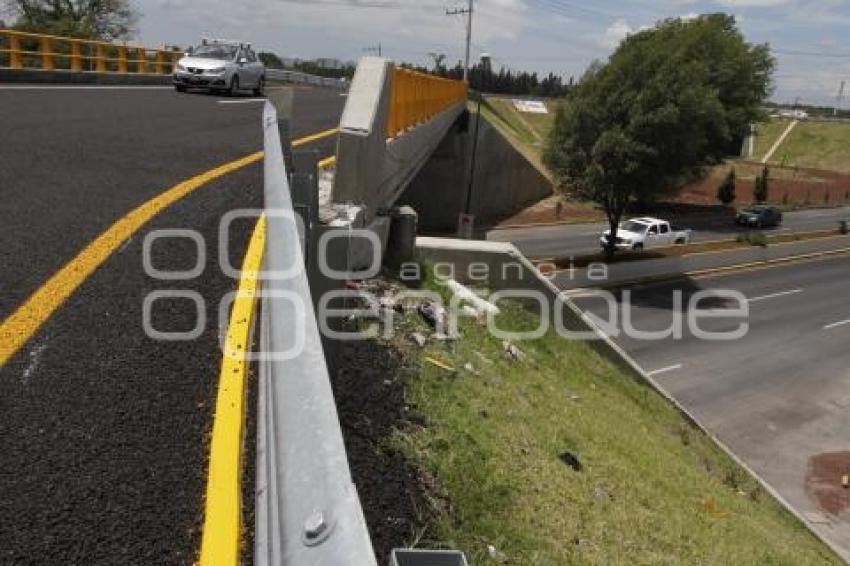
x=762 y=188
x=726 y=191
x=100 y=19
x=669 y=101
x=271 y=60
x=439 y=62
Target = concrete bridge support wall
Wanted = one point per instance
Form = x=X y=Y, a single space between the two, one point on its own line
x=505 y=181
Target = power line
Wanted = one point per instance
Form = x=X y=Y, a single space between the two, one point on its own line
x=811 y=53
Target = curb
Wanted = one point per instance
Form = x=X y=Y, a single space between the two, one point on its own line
x=37 y=76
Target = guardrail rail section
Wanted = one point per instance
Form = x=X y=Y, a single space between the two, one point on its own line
x=24 y=50
x=393 y=121
x=416 y=98
x=20 y=50
x=308 y=510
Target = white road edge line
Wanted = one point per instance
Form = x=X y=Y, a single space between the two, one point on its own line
x=836 y=324
x=242 y=101
x=774 y=295
x=664 y=370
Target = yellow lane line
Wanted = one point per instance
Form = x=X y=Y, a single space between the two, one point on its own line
x=20 y=326
x=315 y=137
x=223 y=516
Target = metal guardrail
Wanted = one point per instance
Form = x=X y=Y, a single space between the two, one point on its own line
x=308 y=511
x=23 y=50
x=416 y=97
x=303 y=78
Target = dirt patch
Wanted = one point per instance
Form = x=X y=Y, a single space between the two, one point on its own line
x=824 y=482
x=553 y=210
x=369 y=390
x=790 y=186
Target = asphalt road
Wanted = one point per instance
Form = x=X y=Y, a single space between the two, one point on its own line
x=780 y=395
x=580 y=239
x=103 y=430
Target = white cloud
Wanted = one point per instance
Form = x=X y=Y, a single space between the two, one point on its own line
x=615 y=33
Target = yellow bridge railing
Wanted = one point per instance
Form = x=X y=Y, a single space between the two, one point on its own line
x=23 y=50
x=417 y=97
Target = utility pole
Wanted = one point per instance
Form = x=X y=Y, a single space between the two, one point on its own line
x=468 y=12
x=839 y=98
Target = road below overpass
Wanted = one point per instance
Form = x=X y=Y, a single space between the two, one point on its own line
x=103 y=430
x=779 y=397
x=571 y=240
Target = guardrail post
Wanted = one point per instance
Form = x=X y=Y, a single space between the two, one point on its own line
x=76 y=57
x=175 y=58
x=47 y=54
x=160 y=62
x=14 y=52
x=100 y=58
x=122 y=59
x=141 y=60
x=305 y=193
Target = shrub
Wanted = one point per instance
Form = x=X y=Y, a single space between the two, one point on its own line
x=762 y=189
x=726 y=191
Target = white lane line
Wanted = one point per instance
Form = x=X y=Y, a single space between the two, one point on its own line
x=836 y=324
x=84 y=87
x=664 y=370
x=774 y=295
x=242 y=101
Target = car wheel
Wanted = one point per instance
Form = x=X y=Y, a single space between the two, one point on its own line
x=261 y=87
x=680 y=242
x=233 y=89
x=180 y=88
x=638 y=247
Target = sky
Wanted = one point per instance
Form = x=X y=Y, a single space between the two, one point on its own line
x=809 y=37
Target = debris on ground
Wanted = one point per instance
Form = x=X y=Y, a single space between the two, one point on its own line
x=440 y=364
x=471 y=369
x=495 y=553
x=513 y=353
x=434 y=315
x=469 y=296
x=571 y=460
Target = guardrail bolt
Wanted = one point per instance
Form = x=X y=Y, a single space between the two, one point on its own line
x=315 y=526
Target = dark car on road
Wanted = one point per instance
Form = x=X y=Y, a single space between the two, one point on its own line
x=759 y=217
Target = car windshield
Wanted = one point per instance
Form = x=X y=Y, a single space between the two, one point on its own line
x=221 y=52
x=636 y=227
x=754 y=210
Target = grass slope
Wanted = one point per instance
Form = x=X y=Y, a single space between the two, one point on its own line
x=653 y=489
x=767 y=134
x=818 y=145
x=529 y=131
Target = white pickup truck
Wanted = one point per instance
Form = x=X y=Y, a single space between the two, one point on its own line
x=644 y=233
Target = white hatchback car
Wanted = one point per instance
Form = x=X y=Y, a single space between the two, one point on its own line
x=223 y=66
